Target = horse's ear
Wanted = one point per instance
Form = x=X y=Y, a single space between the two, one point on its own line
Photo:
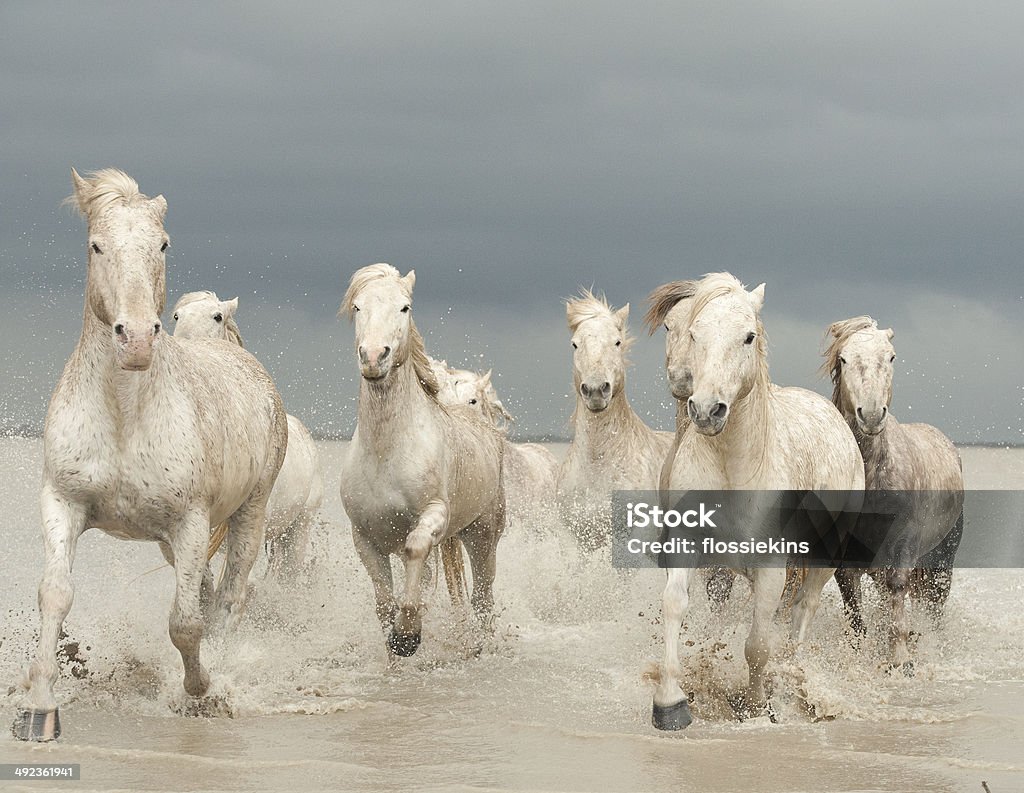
x=889 y=333
x=229 y=307
x=757 y=297
x=81 y=187
x=622 y=316
x=161 y=206
x=410 y=279
x=485 y=379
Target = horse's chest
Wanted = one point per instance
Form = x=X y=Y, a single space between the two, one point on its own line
x=132 y=483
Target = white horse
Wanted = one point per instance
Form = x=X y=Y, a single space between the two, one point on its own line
x=299 y=491
x=417 y=475
x=612 y=448
x=530 y=470
x=744 y=433
x=916 y=461
x=149 y=438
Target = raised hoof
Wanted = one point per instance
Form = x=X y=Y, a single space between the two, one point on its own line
x=672 y=717
x=37 y=725
x=403 y=644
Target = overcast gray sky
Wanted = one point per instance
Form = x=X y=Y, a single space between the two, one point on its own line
x=861 y=157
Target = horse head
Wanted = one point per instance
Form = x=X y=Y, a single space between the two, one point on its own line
x=127 y=247
x=600 y=339
x=861 y=359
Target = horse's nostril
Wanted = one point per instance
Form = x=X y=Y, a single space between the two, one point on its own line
x=606 y=388
x=156 y=328
x=584 y=390
x=884 y=411
x=119 y=329
x=385 y=354
x=719 y=410
x=860 y=413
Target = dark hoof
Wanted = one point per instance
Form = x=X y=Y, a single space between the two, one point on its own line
x=672 y=717
x=403 y=644
x=36 y=725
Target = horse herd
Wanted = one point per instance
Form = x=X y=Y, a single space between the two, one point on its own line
x=183 y=440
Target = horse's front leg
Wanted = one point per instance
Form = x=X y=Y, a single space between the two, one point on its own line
x=63 y=524
x=247 y=527
x=188 y=545
x=378 y=566
x=671 y=710
x=768 y=585
x=897 y=581
x=428 y=532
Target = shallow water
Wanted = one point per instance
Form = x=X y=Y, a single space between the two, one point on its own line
x=554 y=700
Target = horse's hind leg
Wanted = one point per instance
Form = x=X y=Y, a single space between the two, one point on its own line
x=63 y=524
x=481 y=541
x=241 y=548
x=189 y=550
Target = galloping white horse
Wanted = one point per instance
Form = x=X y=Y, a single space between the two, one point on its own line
x=744 y=433
x=915 y=460
x=612 y=448
x=299 y=490
x=530 y=470
x=149 y=438
x=417 y=475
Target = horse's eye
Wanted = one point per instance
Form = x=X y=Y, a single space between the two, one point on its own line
x=893 y=359
x=750 y=338
x=842 y=360
x=218 y=317
x=666 y=326
x=175 y=317
x=574 y=346
x=355 y=307
x=472 y=401
x=618 y=343
x=405 y=308
x=164 y=246
x=96 y=248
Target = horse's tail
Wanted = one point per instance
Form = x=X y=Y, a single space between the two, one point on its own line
x=216 y=540
x=454 y=570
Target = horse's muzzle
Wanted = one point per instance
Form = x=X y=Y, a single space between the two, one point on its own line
x=708 y=417
x=134 y=343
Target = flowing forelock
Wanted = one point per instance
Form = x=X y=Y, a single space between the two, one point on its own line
x=840 y=333
x=102 y=189
x=589 y=306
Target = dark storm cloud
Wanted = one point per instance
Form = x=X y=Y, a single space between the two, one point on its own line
x=860 y=158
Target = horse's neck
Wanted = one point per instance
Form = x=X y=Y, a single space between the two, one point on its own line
x=603 y=435
x=874 y=449
x=387 y=412
x=743 y=445
x=100 y=381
